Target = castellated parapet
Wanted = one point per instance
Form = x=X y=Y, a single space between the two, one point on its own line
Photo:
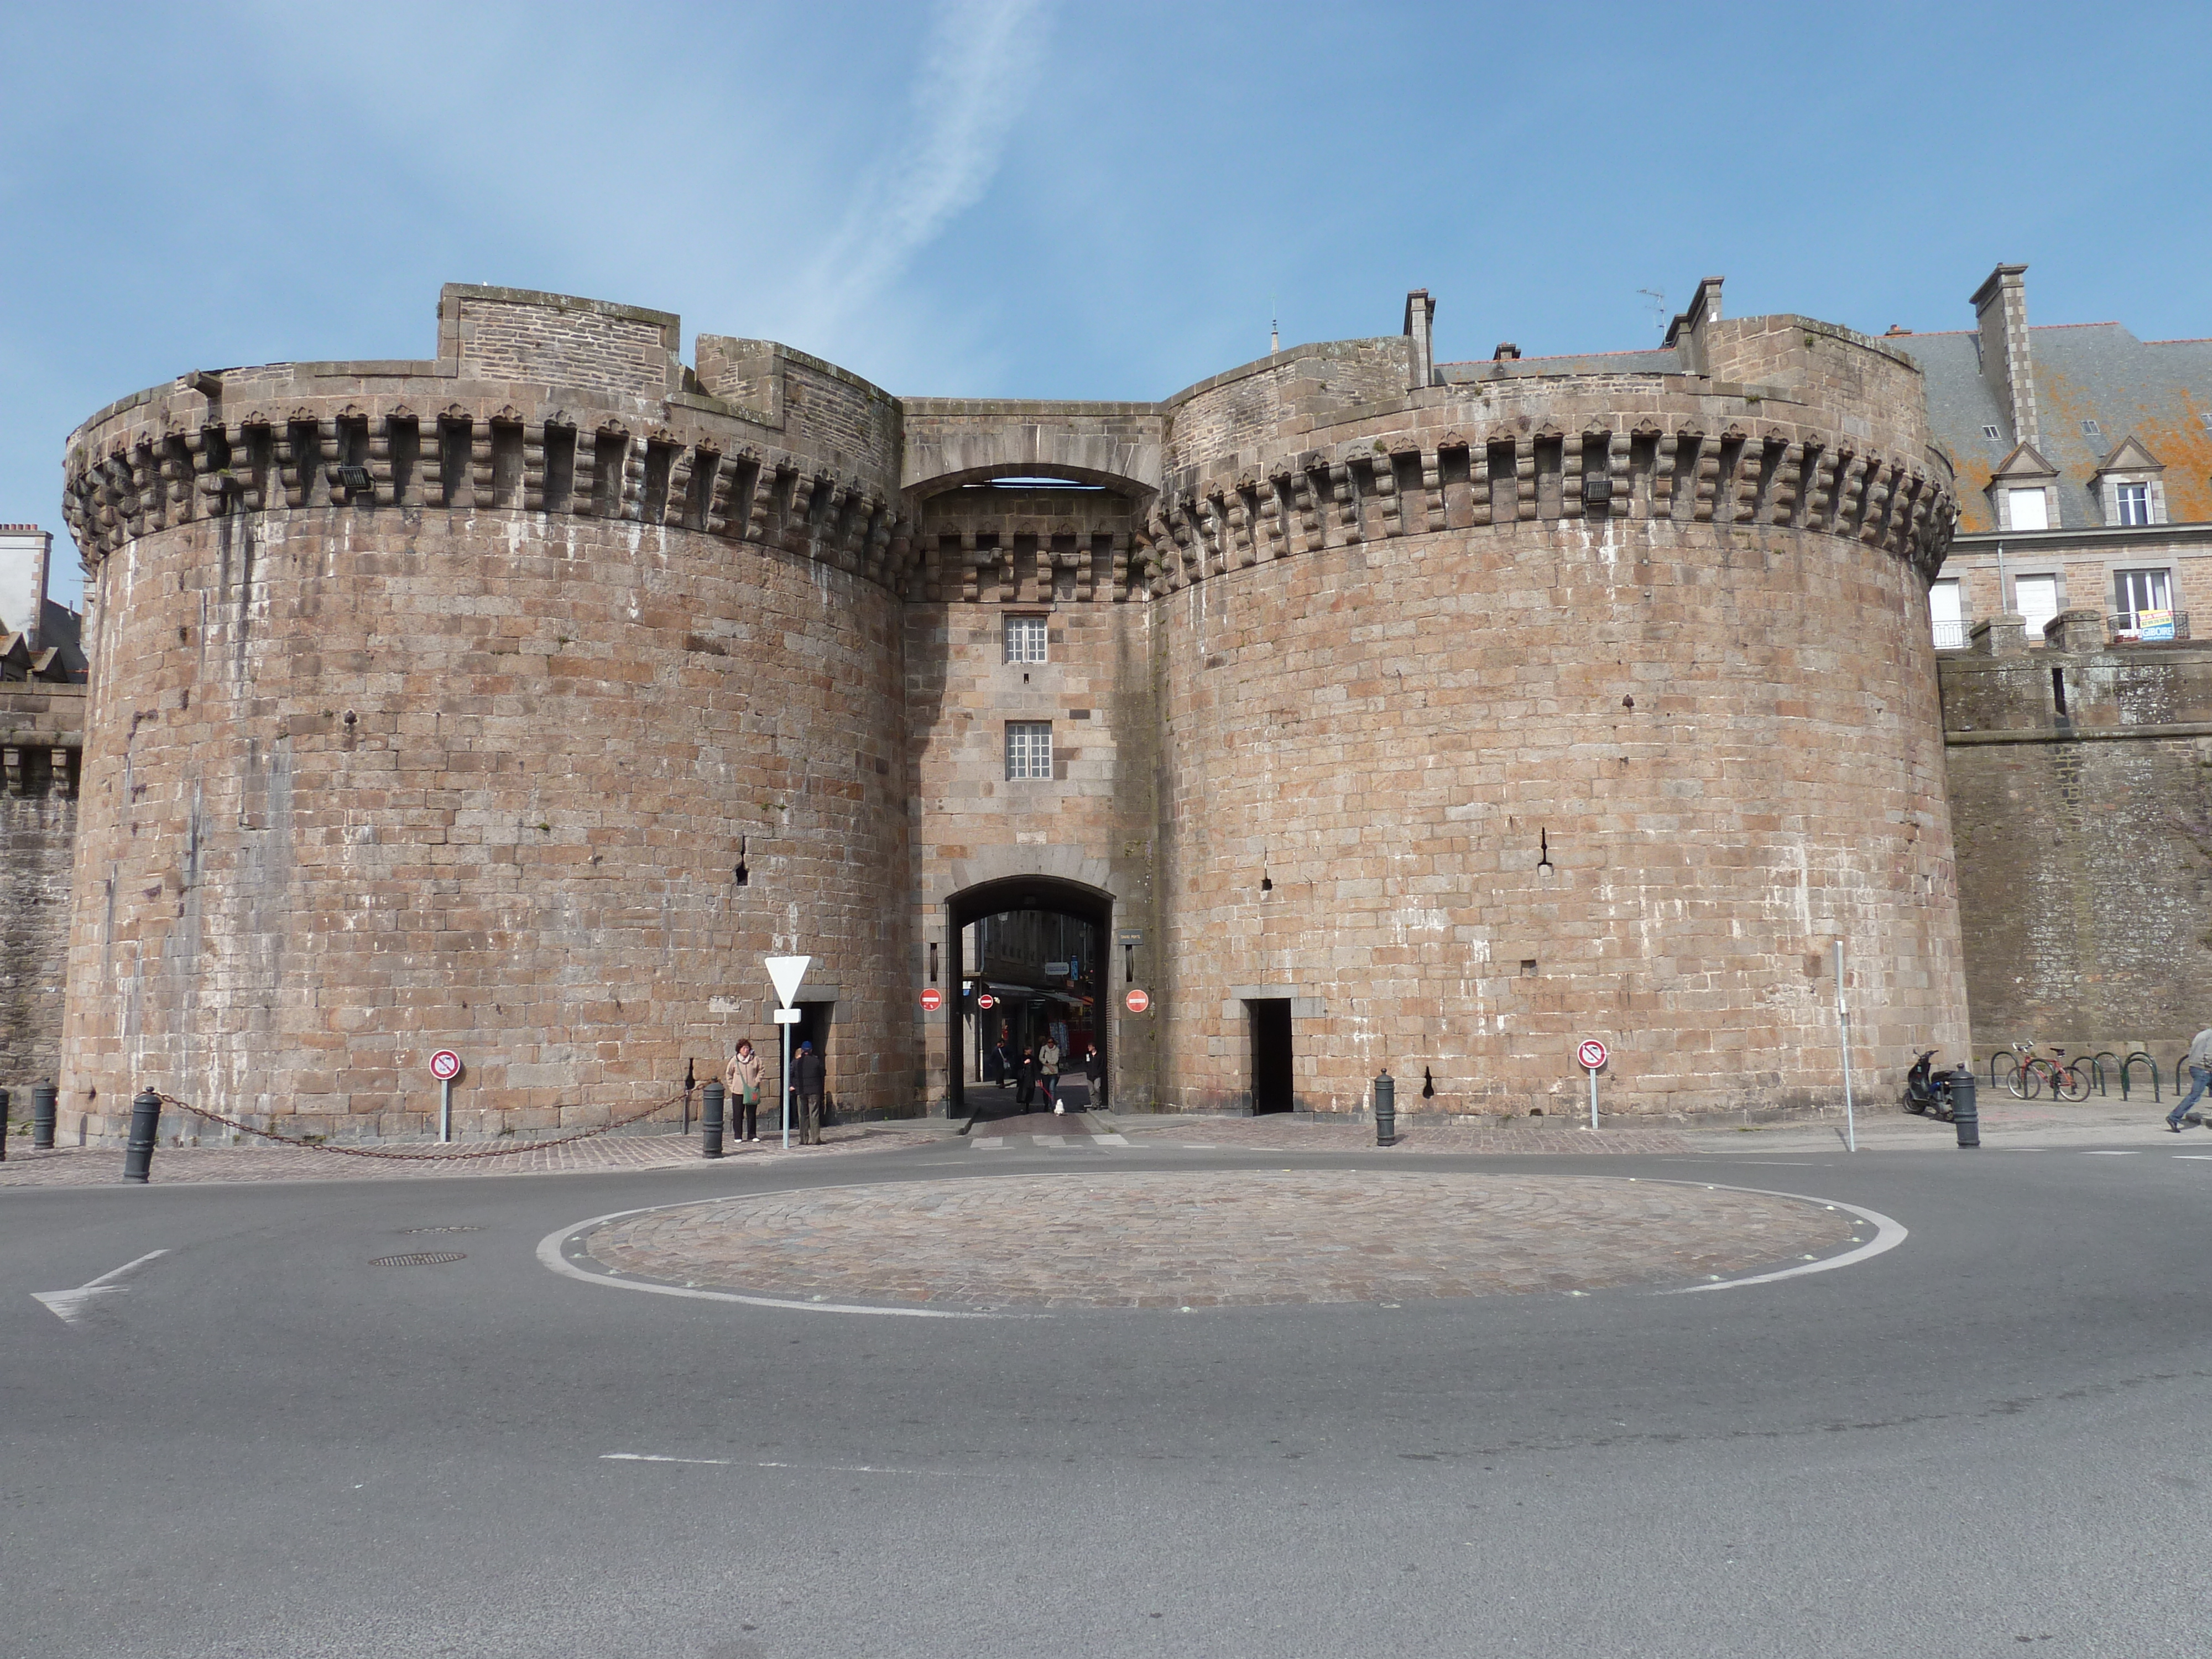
x=1470 y=708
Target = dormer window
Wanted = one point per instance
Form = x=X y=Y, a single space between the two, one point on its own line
x=2131 y=503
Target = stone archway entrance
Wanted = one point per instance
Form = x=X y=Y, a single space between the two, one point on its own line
x=1019 y=922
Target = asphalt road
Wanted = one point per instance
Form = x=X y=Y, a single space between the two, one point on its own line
x=1987 y=1441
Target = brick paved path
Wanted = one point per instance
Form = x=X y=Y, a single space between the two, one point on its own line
x=102 y=1166
x=1109 y=1240
x=1290 y=1132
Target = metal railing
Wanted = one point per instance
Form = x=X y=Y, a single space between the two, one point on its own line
x=1949 y=636
x=2148 y=627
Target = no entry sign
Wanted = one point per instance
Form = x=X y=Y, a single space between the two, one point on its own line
x=1137 y=1000
x=932 y=999
x=1591 y=1053
x=986 y=1000
x=445 y=1066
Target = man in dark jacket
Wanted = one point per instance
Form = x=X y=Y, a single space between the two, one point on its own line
x=1026 y=1078
x=807 y=1071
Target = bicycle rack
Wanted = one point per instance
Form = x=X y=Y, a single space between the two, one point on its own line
x=2129 y=1065
x=2097 y=1069
x=2011 y=1058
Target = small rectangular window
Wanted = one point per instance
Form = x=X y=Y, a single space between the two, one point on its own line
x=1025 y=639
x=1992 y=434
x=2133 y=501
x=1029 y=749
x=2091 y=429
x=2030 y=509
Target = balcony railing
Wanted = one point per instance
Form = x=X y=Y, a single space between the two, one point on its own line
x=2148 y=627
x=1950 y=635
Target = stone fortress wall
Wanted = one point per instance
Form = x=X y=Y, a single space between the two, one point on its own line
x=41 y=752
x=2081 y=781
x=1545 y=705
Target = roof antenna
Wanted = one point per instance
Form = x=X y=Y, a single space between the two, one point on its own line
x=1274 y=330
x=1658 y=306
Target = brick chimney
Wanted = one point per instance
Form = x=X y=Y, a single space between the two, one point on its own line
x=2000 y=316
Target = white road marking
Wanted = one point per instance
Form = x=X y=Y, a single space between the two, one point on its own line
x=549 y=1254
x=69 y=1306
x=2126 y=1154
x=2194 y=1158
x=656 y=1457
x=1888 y=1235
x=1111 y=1140
x=988 y=1143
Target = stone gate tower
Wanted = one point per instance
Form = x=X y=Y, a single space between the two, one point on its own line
x=521 y=701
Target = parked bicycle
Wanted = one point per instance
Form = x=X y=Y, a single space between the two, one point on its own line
x=2032 y=1073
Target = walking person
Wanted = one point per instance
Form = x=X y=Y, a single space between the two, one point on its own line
x=808 y=1071
x=741 y=1079
x=1048 y=1067
x=2200 y=1076
x=1025 y=1078
x=1094 y=1076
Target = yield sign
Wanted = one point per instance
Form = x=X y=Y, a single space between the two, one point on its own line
x=786 y=972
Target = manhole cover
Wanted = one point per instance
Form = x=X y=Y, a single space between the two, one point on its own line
x=418 y=1259
x=464 y=1227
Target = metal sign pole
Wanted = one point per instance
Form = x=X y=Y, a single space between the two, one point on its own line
x=786 y=1029
x=1593 y=1072
x=445 y=1112
x=1844 y=1020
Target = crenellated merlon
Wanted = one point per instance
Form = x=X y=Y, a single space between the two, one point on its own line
x=1493 y=467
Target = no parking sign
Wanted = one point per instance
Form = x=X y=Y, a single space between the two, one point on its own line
x=1592 y=1054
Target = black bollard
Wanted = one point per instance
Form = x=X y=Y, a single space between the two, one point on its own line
x=1964 y=1113
x=44 y=1100
x=1386 y=1109
x=145 y=1124
x=4 y=1125
x=710 y=1120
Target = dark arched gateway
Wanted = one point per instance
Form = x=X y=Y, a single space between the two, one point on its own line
x=1050 y=896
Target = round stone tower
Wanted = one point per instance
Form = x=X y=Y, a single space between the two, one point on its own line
x=516 y=703
x=1508 y=704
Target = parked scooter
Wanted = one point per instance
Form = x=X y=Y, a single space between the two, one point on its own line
x=1927 y=1091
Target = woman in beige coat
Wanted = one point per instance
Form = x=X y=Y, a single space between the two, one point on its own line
x=742 y=1079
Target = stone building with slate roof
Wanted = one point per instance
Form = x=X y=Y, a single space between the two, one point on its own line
x=2084 y=458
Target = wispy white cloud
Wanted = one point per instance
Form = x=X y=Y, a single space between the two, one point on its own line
x=977 y=69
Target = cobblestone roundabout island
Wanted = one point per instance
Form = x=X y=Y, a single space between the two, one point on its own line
x=1179 y=1241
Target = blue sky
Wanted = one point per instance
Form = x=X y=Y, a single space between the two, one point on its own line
x=1024 y=198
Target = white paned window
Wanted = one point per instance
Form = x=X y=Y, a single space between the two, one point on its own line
x=1029 y=748
x=2036 y=600
x=2029 y=509
x=1944 y=615
x=2133 y=502
x=1024 y=640
x=2135 y=591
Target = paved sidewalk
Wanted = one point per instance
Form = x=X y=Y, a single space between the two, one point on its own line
x=2006 y=1125
x=102 y=1166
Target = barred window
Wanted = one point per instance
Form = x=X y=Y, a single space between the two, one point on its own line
x=1029 y=748
x=1024 y=639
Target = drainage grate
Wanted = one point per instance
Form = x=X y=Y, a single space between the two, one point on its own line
x=418 y=1259
x=466 y=1227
